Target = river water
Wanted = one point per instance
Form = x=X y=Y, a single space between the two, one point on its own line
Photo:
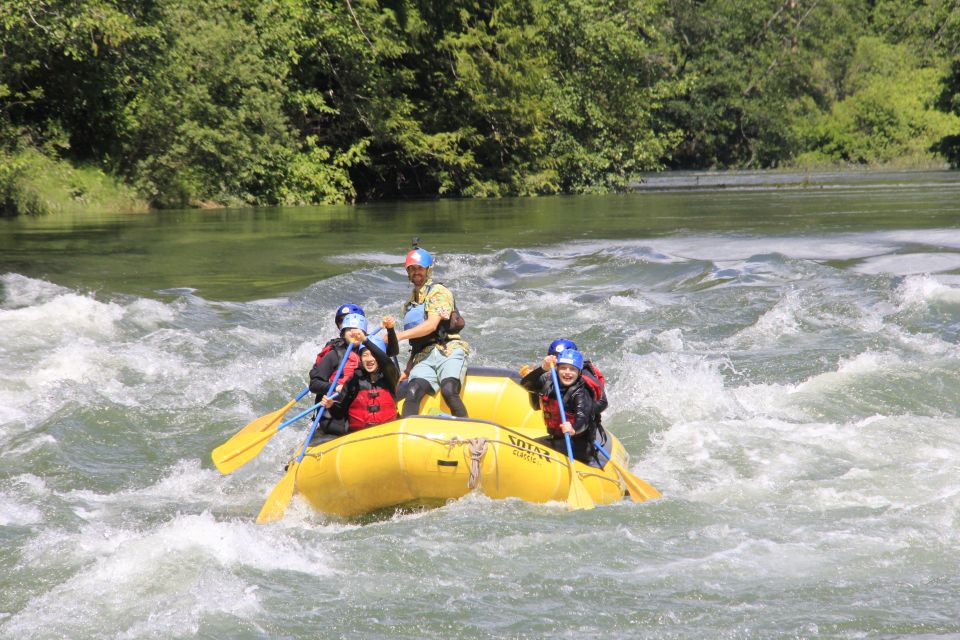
x=782 y=363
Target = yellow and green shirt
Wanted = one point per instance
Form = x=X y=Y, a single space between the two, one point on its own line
x=438 y=300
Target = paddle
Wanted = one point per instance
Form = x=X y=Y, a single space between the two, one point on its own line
x=639 y=490
x=223 y=454
x=578 y=498
x=249 y=441
x=276 y=503
x=245 y=447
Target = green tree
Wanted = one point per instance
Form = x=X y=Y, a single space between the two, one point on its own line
x=948 y=101
x=63 y=73
x=207 y=121
x=873 y=123
x=445 y=97
x=755 y=68
x=931 y=29
x=302 y=101
x=611 y=71
x=487 y=98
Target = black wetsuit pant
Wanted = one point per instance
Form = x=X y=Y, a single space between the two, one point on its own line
x=583 y=449
x=417 y=388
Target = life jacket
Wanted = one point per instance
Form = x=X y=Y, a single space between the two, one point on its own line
x=593 y=379
x=352 y=362
x=372 y=405
x=416 y=314
x=551 y=411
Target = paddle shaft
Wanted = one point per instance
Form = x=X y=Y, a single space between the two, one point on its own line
x=333 y=385
x=306 y=390
x=563 y=413
x=579 y=497
x=298 y=416
x=639 y=490
x=600 y=448
x=236 y=451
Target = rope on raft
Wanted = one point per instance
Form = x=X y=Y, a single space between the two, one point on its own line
x=477 y=449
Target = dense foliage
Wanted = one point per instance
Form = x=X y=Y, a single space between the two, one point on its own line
x=307 y=101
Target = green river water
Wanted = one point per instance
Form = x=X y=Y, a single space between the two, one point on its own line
x=783 y=363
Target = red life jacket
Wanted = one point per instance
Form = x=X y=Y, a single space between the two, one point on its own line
x=594 y=379
x=550 y=408
x=372 y=406
x=551 y=413
x=352 y=362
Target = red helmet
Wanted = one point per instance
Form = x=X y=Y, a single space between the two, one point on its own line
x=419 y=257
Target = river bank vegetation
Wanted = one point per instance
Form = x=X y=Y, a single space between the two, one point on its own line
x=327 y=101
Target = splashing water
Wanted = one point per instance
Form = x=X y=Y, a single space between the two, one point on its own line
x=793 y=394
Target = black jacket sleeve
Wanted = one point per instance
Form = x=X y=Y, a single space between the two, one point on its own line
x=322 y=371
x=393 y=345
x=533 y=382
x=580 y=402
x=332 y=420
x=601 y=404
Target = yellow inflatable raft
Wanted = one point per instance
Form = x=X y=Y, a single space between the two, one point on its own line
x=428 y=460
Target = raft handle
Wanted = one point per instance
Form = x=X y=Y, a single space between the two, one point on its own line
x=447 y=463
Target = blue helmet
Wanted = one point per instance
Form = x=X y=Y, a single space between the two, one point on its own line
x=419 y=257
x=377 y=340
x=559 y=345
x=354 y=321
x=571 y=356
x=345 y=309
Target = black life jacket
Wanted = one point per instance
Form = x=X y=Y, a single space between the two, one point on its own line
x=416 y=312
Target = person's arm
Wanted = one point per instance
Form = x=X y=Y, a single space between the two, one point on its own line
x=582 y=409
x=600 y=404
x=533 y=381
x=321 y=372
x=425 y=328
x=393 y=344
x=534 y=399
x=385 y=362
x=348 y=391
x=407 y=368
